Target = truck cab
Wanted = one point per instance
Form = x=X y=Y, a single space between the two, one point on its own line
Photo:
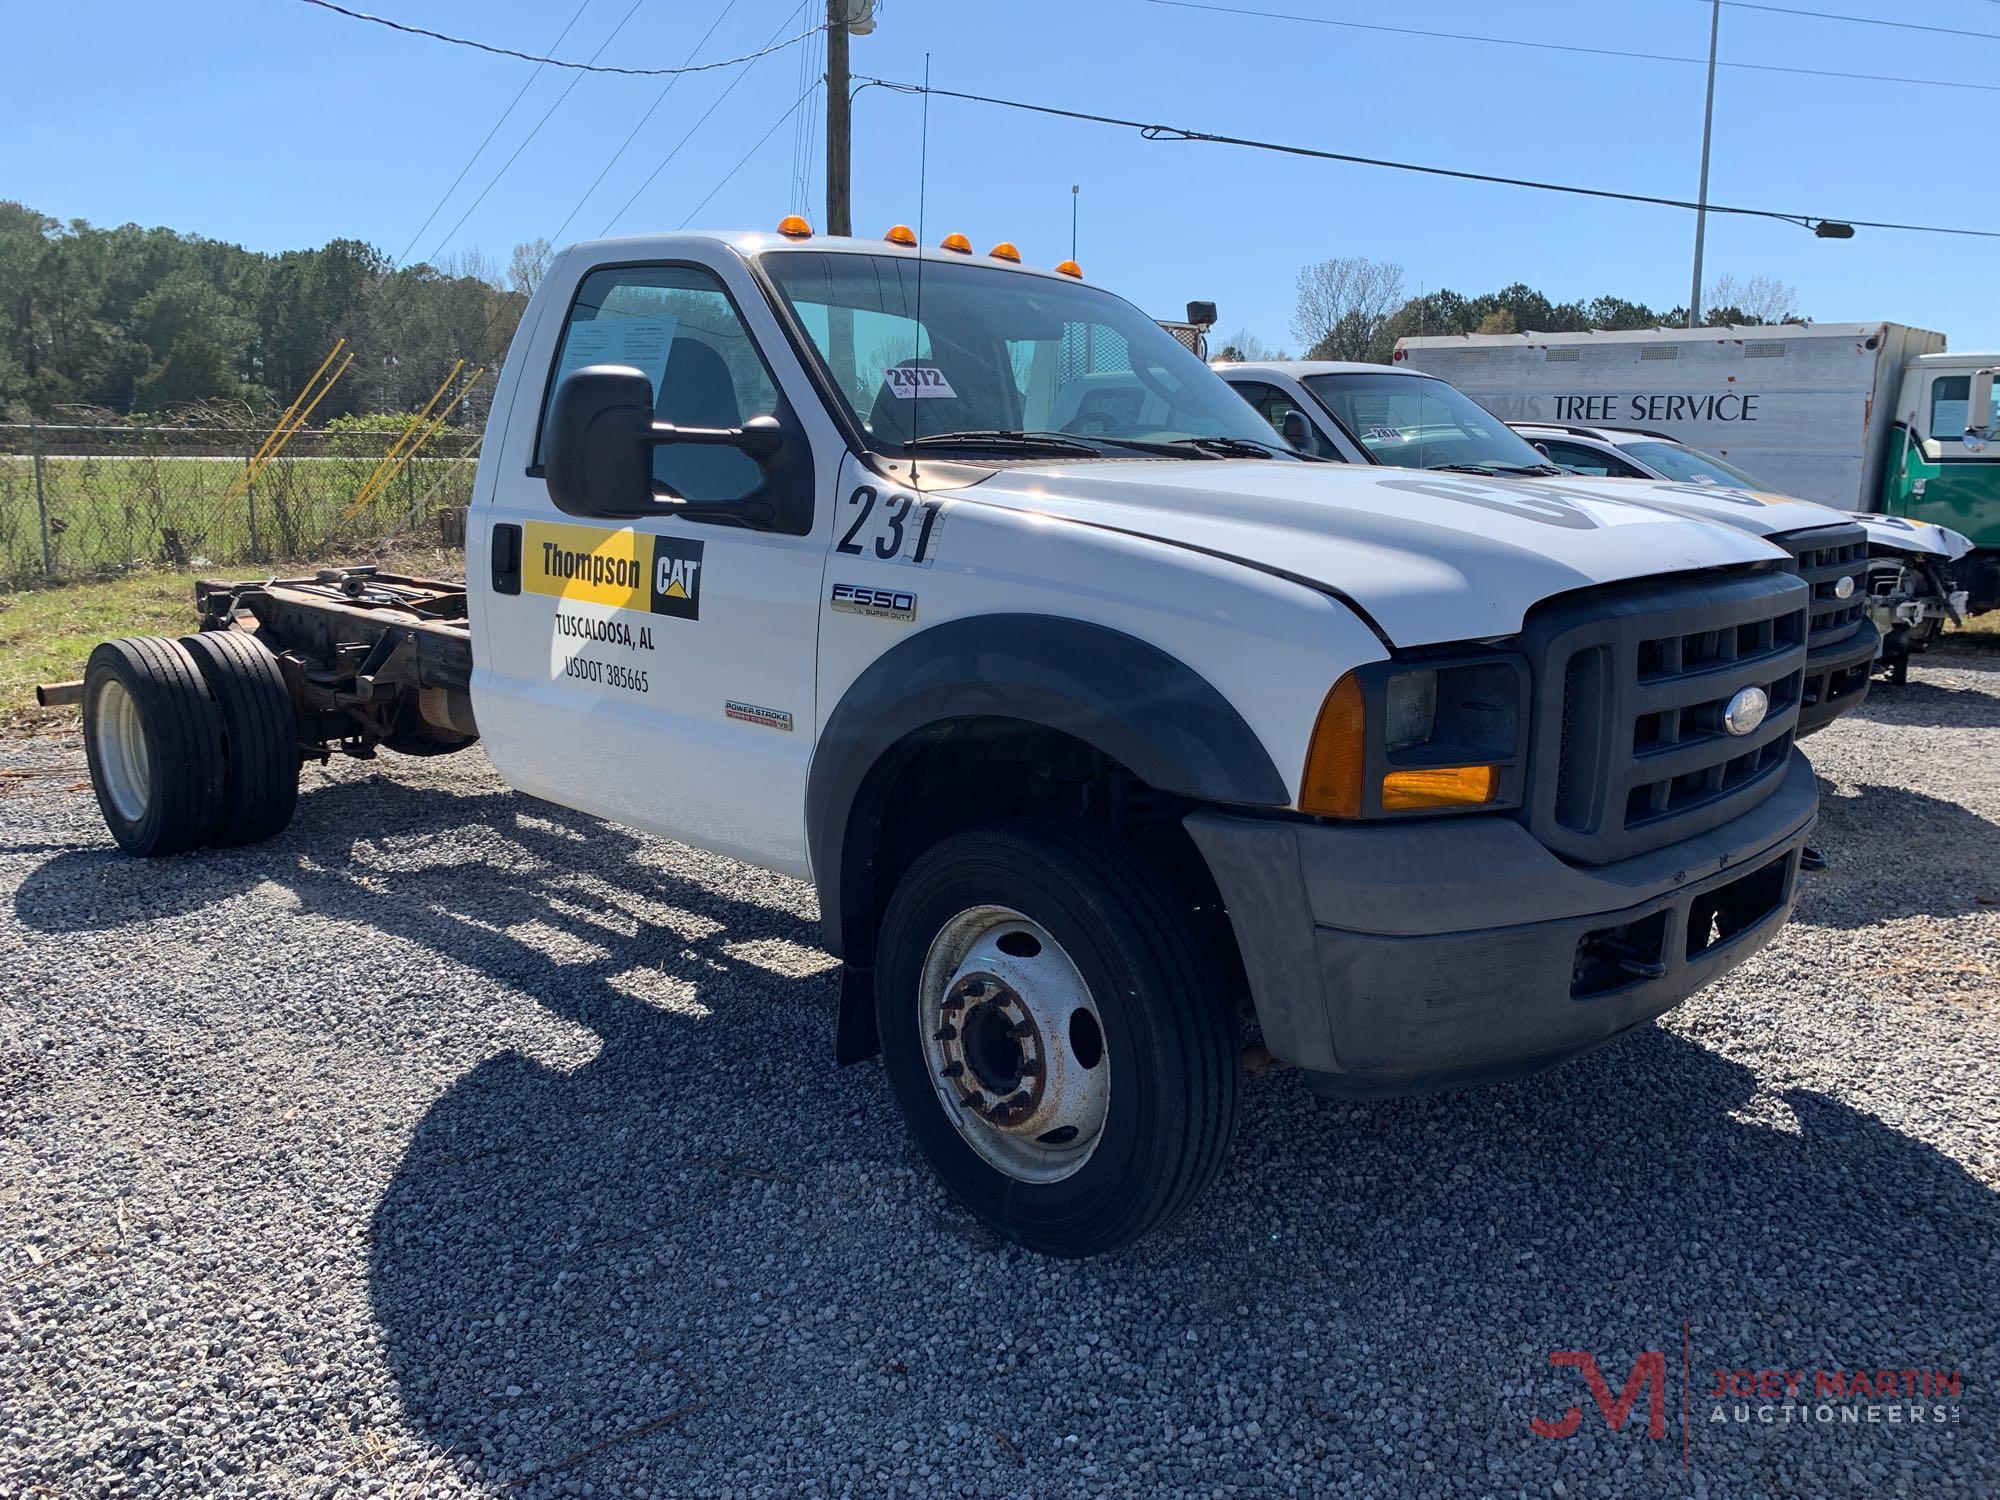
x=1097 y=726
x=1391 y=414
x=1943 y=463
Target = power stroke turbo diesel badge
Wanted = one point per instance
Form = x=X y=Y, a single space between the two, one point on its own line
x=623 y=569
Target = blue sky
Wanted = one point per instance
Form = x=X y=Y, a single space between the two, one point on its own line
x=278 y=125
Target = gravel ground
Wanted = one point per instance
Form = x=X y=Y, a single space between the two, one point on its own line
x=455 y=1144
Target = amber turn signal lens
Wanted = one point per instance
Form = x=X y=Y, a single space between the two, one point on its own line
x=1005 y=251
x=901 y=234
x=1441 y=786
x=1069 y=268
x=1331 y=785
x=956 y=241
x=794 y=227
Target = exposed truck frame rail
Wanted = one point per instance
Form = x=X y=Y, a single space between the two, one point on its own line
x=369 y=658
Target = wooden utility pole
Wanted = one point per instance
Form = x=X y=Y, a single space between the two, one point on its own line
x=839 y=216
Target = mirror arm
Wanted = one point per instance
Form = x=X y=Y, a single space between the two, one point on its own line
x=758 y=438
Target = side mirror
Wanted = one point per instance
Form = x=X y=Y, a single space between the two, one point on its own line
x=1979 y=410
x=1296 y=428
x=1201 y=314
x=598 y=450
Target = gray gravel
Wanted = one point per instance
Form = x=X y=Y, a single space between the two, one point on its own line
x=452 y=1141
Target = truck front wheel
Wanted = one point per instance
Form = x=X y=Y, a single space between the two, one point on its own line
x=1055 y=1031
x=154 y=741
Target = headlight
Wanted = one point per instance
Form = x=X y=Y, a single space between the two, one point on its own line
x=1445 y=736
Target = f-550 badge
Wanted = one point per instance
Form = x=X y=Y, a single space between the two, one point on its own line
x=879 y=604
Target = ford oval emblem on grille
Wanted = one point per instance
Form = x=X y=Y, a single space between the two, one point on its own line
x=1746 y=710
x=1844 y=589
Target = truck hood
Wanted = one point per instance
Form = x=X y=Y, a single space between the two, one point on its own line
x=1753 y=511
x=1764 y=514
x=1919 y=538
x=1430 y=557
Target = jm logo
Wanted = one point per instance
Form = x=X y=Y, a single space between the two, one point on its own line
x=1649 y=1374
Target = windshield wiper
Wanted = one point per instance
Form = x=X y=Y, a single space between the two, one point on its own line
x=1486 y=469
x=1233 y=447
x=1000 y=437
x=1528 y=469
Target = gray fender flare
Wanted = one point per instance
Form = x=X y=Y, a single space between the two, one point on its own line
x=1142 y=707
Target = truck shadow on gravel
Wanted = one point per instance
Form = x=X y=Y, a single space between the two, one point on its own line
x=706 y=1247
x=1895 y=853
x=1920 y=704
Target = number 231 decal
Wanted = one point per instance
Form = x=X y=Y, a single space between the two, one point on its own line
x=892 y=528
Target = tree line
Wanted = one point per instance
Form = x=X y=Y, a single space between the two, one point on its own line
x=1353 y=308
x=100 y=323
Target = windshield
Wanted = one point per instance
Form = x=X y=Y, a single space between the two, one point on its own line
x=1691 y=465
x=1415 y=422
x=1000 y=352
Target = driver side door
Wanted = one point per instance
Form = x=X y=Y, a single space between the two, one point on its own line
x=659 y=671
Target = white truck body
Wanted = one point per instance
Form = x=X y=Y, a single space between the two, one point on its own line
x=1806 y=408
x=1456 y=778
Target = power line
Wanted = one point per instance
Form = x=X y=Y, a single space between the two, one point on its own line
x=505 y=114
x=558 y=62
x=547 y=115
x=658 y=100
x=750 y=153
x=1158 y=132
x=682 y=142
x=1509 y=41
x=1827 y=15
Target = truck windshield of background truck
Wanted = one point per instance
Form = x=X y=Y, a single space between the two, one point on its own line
x=999 y=352
x=1415 y=422
x=1690 y=465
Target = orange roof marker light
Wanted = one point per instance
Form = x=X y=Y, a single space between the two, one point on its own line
x=1005 y=250
x=1070 y=268
x=956 y=242
x=901 y=234
x=794 y=227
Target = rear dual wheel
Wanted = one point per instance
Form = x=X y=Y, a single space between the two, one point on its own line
x=189 y=742
x=1053 y=1027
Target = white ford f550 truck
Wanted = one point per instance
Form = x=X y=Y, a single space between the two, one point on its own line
x=1092 y=722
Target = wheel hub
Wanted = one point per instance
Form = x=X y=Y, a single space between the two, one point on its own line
x=1015 y=1044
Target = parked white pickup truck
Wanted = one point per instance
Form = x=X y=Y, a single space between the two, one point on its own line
x=1391 y=414
x=1090 y=720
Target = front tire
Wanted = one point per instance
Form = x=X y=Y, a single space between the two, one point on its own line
x=1055 y=1031
x=153 y=737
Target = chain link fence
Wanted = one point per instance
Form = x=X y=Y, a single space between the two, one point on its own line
x=82 y=502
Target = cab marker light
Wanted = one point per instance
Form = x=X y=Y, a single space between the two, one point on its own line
x=1005 y=250
x=1069 y=268
x=901 y=234
x=956 y=242
x=794 y=227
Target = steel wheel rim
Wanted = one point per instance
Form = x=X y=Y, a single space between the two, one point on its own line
x=122 y=759
x=1014 y=1044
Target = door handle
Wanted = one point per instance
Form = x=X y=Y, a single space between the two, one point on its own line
x=506 y=558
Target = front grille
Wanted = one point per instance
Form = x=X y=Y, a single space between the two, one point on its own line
x=1824 y=556
x=1632 y=685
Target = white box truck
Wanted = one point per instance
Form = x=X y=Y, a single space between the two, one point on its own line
x=1858 y=416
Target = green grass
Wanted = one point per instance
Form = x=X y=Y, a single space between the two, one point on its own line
x=46 y=634
x=1980 y=633
x=110 y=513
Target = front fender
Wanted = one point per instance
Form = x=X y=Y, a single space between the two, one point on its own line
x=1132 y=701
